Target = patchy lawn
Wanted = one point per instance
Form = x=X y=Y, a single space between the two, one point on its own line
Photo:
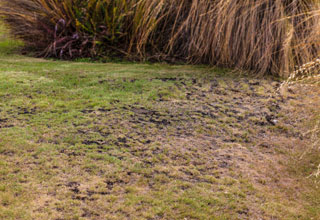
x=154 y=141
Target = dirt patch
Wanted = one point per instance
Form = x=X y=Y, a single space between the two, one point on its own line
x=215 y=129
x=5 y=123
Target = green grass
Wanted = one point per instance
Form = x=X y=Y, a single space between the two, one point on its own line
x=7 y=45
x=44 y=101
x=85 y=140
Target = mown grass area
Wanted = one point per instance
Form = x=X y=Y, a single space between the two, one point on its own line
x=68 y=152
x=151 y=141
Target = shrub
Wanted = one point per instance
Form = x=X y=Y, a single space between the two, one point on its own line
x=83 y=28
x=266 y=36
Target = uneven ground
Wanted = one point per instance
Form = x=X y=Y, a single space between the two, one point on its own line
x=139 y=141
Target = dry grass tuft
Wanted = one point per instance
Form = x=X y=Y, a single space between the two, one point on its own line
x=264 y=35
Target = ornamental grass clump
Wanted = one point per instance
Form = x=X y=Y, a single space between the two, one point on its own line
x=84 y=28
x=264 y=36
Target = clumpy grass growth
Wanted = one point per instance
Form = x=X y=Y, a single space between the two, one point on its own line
x=266 y=36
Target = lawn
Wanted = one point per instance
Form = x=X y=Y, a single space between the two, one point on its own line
x=81 y=140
